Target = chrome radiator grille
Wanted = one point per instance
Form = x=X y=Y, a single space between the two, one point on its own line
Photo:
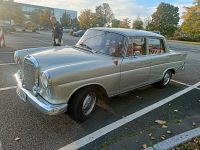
x=29 y=74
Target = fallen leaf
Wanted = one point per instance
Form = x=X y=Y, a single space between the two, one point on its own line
x=175 y=110
x=164 y=126
x=169 y=132
x=163 y=137
x=150 y=134
x=193 y=124
x=138 y=97
x=153 y=138
x=17 y=139
x=144 y=146
x=141 y=132
x=160 y=122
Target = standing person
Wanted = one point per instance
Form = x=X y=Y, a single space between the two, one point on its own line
x=57 y=31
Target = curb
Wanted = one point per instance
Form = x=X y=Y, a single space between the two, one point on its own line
x=176 y=140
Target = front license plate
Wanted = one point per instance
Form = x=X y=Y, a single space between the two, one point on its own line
x=21 y=94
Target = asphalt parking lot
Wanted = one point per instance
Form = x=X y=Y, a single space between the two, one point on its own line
x=23 y=127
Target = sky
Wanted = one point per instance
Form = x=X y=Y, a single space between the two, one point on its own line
x=122 y=8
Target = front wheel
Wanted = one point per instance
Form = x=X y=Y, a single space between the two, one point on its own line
x=82 y=104
x=165 y=80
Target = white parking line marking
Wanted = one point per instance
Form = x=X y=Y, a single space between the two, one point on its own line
x=41 y=41
x=99 y=133
x=8 y=64
x=7 y=88
x=35 y=42
x=6 y=52
x=180 y=82
x=1 y=146
x=183 y=84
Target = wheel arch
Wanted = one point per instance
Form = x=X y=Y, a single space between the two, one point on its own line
x=97 y=86
x=173 y=71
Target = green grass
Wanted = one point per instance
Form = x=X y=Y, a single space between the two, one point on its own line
x=185 y=42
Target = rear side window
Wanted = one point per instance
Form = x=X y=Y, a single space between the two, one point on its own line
x=136 y=47
x=156 y=46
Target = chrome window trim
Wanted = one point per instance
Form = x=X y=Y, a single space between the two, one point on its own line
x=166 y=49
x=145 y=40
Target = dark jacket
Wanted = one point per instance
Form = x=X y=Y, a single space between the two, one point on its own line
x=57 y=32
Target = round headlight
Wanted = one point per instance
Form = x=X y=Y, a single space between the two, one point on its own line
x=44 y=80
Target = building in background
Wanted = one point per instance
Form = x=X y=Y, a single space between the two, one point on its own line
x=28 y=9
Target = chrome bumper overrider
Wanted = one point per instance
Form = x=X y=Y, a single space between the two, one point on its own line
x=38 y=101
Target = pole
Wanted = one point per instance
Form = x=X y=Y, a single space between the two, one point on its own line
x=2 y=39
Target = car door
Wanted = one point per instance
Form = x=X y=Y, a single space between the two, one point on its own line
x=159 y=58
x=135 y=67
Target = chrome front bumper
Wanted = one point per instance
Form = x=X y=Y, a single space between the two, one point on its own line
x=39 y=102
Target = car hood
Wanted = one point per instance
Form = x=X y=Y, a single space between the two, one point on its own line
x=59 y=57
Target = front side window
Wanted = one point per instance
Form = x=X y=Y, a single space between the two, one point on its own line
x=136 y=47
x=103 y=42
x=156 y=46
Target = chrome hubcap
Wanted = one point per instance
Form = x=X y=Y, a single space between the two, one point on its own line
x=89 y=103
x=166 y=78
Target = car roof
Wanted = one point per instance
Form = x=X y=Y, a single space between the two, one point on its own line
x=130 y=32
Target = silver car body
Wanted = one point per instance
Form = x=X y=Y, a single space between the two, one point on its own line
x=70 y=69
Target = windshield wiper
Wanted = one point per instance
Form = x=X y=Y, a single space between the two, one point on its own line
x=86 y=46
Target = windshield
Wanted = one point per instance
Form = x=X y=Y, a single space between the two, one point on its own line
x=103 y=42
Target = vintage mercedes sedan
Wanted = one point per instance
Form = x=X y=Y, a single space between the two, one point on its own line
x=105 y=62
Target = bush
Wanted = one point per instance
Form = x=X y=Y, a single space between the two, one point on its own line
x=184 y=37
x=31 y=26
x=33 y=29
x=71 y=32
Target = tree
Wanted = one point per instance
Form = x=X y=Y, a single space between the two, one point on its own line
x=35 y=16
x=18 y=15
x=44 y=18
x=87 y=19
x=138 y=24
x=41 y=17
x=125 y=23
x=115 y=23
x=4 y=13
x=147 y=22
x=75 y=23
x=104 y=14
x=65 y=20
x=197 y=2
x=100 y=16
x=191 y=23
x=9 y=10
x=165 y=19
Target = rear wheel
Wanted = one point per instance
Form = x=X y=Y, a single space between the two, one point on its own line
x=82 y=104
x=165 y=80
